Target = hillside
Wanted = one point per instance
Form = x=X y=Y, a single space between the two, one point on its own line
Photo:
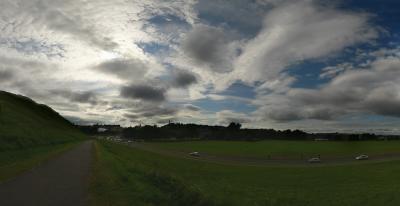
x=24 y=123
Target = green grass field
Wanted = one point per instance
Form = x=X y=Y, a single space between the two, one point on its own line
x=122 y=175
x=282 y=148
x=129 y=176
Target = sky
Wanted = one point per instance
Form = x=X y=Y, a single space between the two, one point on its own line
x=315 y=65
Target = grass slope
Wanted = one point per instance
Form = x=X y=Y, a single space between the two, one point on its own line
x=128 y=176
x=25 y=124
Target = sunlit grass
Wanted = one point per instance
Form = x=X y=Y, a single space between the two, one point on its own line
x=119 y=180
x=124 y=176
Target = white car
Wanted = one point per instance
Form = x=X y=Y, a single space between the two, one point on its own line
x=362 y=157
x=194 y=154
x=314 y=160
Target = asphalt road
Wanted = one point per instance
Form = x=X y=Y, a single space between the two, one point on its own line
x=61 y=181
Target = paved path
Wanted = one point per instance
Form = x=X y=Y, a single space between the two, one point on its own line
x=61 y=181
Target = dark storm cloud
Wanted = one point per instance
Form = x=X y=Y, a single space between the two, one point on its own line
x=6 y=75
x=228 y=120
x=132 y=117
x=143 y=92
x=209 y=45
x=387 y=107
x=284 y=115
x=158 y=113
x=128 y=69
x=183 y=79
x=228 y=116
x=79 y=97
x=85 y=97
x=204 y=44
x=384 y=101
x=322 y=113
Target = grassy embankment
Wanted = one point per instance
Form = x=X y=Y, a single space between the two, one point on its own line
x=30 y=133
x=128 y=176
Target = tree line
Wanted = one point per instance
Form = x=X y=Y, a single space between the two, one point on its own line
x=179 y=131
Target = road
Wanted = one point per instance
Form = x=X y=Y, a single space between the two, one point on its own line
x=61 y=181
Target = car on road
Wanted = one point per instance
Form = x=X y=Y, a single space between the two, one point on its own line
x=194 y=154
x=362 y=157
x=314 y=160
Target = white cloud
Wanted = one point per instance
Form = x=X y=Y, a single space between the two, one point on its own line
x=370 y=90
x=332 y=71
x=89 y=50
x=293 y=32
x=55 y=45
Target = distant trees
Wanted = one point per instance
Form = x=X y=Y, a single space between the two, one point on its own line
x=234 y=131
x=234 y=126
x=180 y=131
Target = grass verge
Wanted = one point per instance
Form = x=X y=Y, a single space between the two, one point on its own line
x=119 y=180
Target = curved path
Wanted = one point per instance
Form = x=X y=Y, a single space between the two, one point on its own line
x=61 y=181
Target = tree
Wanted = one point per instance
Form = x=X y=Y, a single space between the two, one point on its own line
x=234 y=126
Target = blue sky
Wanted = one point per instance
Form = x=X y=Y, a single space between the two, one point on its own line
x=316 y=65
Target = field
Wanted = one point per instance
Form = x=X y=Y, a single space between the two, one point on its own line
x=126 y=175
x=289 y=149
x=226 y=173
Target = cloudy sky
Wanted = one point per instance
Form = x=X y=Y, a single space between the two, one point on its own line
x=327 y=65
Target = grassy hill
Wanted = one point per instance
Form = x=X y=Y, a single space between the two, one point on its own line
x=25 y=124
